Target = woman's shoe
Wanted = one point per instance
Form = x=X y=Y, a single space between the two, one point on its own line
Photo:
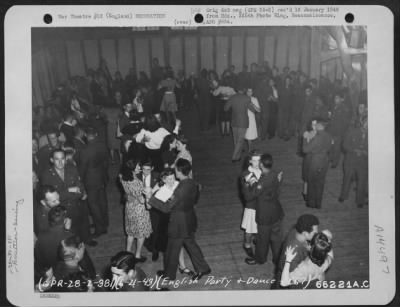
x=186 y=271
x=141 y=259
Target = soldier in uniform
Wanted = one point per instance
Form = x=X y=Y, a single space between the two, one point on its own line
x=93 y=168
x=49 y=198
x=66 y=180
x=44 y=153
x=318 y=148
x=338 y=125
x=355 y=146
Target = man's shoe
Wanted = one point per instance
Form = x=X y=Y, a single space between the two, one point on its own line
x=154 y=256
x=341 y=199
x=91 y=243
x=98 y=234
x=199 y=275
x=250 y=261
x=160 y=273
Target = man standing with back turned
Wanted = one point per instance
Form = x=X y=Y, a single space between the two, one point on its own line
x=239 y=103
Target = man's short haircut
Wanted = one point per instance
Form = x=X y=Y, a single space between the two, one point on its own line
x=57 y=215
x=147 y=163
x=57 y=150
x=255 y=153
x=44 y=190
x=183 y=166
x=321 y=121
x=308 y=87
x=91 y=132
x=68 y=247
x=51 y=130
x=126 y=102
x=124 y=261
x=68 y=147
x=340 y=93
x=266 y=160
x=306 y=222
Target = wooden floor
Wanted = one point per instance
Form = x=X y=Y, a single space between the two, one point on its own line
x=220 y=210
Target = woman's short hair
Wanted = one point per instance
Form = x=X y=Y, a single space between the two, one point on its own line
x=124 y=261
x=167 y=172
x=320 y=247
x=151 y=123
x=168 y=139
x=127 y=169
x=183 y=166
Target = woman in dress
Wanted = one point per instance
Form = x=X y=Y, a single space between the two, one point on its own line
x=251 y=132
x=137 y=218
x=249 y=178
x=311 y=269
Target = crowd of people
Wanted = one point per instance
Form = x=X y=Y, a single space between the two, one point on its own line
x=96 y=121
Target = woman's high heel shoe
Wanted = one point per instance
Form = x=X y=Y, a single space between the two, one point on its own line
x=186 y=271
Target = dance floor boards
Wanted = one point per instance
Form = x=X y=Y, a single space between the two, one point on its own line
x=219 y=213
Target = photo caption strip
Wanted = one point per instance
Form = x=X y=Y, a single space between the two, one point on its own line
x=18 y=24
